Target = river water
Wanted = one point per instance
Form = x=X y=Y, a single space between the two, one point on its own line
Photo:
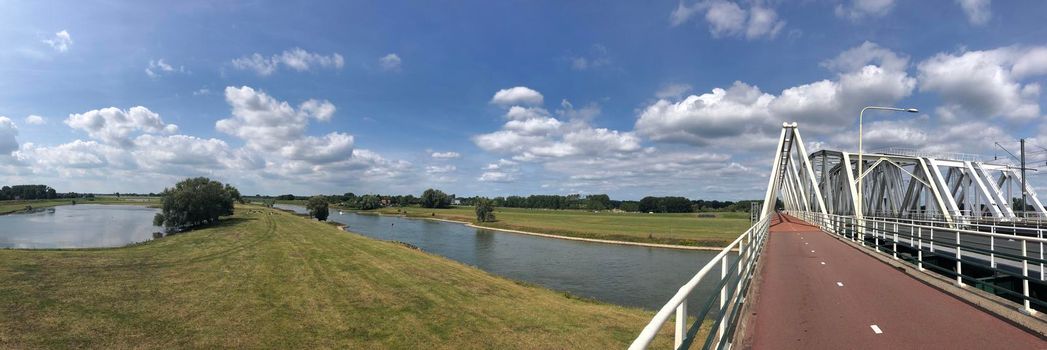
x=620 y=274
x=78 y=226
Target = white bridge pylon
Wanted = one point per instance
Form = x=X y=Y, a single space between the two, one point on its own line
x=896 y=183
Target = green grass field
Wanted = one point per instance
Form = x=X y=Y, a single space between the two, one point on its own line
x=12 y=206
x=679 y=229
x=268 y=279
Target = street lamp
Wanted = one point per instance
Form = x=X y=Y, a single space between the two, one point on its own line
x=858 y=212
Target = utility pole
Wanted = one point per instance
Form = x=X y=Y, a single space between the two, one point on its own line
x=1024 y=205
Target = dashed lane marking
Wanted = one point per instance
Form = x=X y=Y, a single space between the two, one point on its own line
x=876 y=329
x=839 y=284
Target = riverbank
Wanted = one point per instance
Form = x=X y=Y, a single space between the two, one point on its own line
x=680 y=231
x=268 y=279
x=594 y=240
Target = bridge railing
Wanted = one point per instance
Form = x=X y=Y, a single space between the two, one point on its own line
x=734 y=279
x=997 y=262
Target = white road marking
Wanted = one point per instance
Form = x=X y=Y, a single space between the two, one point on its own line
x=876 y=329
x=804 y=243
x=839 y=284
x=812 y=251
x=823 y=263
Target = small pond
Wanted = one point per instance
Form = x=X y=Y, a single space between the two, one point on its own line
x=78 y=226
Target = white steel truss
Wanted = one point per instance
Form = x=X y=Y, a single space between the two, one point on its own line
x=898 y=185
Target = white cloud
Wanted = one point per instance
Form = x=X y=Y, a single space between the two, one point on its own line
x=296 y=59
x=35 y=120
x=202 y=92
x=595 y=59
x=858 y=9
x=728 y=19
x=440 y=169
x=8 y=136
x=866 y=74
x=673 y=91
x=115 y=126
x=60 y=42
x=986 y=83
x=445 y=155
x=268 y=125
x=977 y=11
x=158 y=67
x=520 y=95
x=390 y=62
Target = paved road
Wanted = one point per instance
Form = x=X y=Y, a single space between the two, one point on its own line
x=818 y=293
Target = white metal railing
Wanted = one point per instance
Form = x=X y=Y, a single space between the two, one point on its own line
x=733 y=281
x=911 y=152
x=1005 y=254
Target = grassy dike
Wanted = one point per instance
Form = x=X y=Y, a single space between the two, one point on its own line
x=677 y=229
x=269 y=279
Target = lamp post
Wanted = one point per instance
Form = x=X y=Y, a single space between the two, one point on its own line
x=858 y=210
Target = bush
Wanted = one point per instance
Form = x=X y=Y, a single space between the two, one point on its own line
x=318 y=208
x=194 y=202
x=484 y=210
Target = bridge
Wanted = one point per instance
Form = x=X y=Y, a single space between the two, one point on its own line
x=893 y=249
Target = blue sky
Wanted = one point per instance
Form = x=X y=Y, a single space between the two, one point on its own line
x=498 y=98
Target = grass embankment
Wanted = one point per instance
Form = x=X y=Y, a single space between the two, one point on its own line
x=13 y=206
x=677 y=229
x=268 y=279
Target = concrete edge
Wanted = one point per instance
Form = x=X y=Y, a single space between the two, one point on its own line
x=1001 y=308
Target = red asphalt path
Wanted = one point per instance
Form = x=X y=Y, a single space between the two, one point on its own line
x=800 y=303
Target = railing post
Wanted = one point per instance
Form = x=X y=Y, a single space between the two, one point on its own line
x=681 y=323
x=876 y=238
x=919 y=248
x=1025 y=281
x=723 y=299
x=959 y=259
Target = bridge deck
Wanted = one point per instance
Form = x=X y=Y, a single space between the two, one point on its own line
x=816 y=292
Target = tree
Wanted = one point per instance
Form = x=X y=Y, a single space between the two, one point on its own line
x=193 y=202
x=317 y=206
x=484 y=210
x=599 y=201
x=435 y=199
x=369 y=201
x=235 y=193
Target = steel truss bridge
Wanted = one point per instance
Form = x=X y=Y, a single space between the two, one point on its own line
x=948 y=220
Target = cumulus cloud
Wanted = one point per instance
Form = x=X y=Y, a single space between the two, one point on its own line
x=390 y=62
x=987 y=83
x=858 y=9
x=978 y=11
x=520 y=95
x=8 y=136
x=440 y=169
x=158 y=67
x=61 y=41
x=296 y=59
x=269 y=125
x=445 y=155
x=867 y=74
x=673 y=91
x=35 y=120
x=728 y=19
x=115 y=126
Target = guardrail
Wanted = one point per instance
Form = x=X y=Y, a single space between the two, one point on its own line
x=735 y=277
x=1005 y=255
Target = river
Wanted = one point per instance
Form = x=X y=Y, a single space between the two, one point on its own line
x=620 y=274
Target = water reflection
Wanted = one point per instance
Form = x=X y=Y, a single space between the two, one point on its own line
x=78 y=226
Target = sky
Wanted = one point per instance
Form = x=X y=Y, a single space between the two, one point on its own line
x=502 y=98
